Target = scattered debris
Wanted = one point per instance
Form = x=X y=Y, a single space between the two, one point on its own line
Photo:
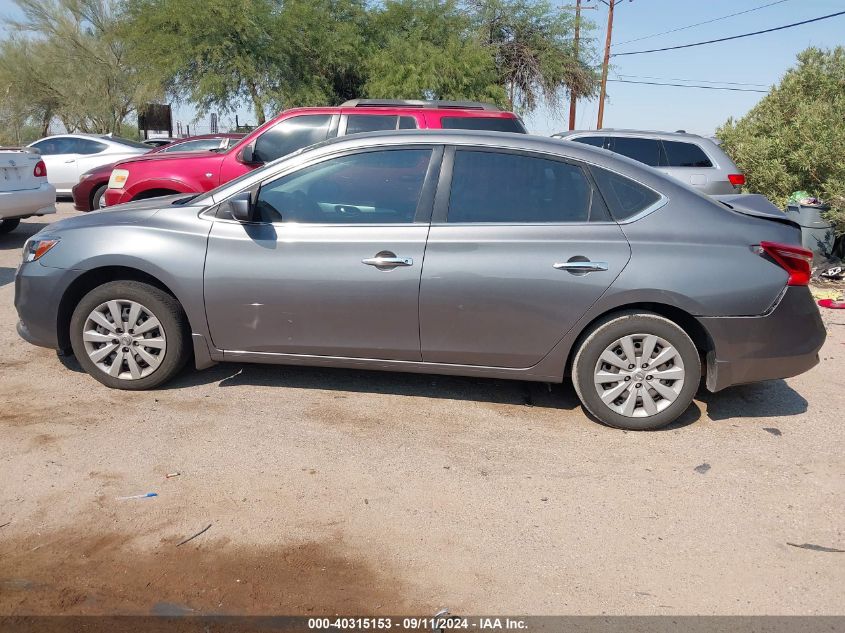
x=144 y=496
x=5 y=524
x=832 y=304
x=171 y=475
x=544 y=498
x=191 y=538
x=818 y=548
x=772 y=430
x=702 y=468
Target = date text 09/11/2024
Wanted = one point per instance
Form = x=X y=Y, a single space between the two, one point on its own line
x=435 y=623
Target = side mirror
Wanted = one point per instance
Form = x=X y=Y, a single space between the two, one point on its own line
x=247 y=155
x=240 y=207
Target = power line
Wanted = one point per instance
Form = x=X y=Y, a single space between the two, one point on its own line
x=684 y=28
x=701 y=81
x=654 y=83
x=733 y=37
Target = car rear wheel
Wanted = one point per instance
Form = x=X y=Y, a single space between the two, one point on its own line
x=130 y=335
x=7 y=226
x=636 y=371
x=98 y=199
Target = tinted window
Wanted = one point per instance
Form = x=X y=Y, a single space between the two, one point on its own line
x=407 y=123
x=595 y=141
x=359 y=123
x=369 y=188
x=496 y=124
x=87 y=146
x=685 y=155
x=624 y=196
x=55 y=145
x=128 y=143
x=193 y=146
x=290 y=135
x=499 y=187
x=645 y=150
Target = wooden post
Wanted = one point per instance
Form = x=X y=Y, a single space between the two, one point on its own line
x=572 y=97
x=603 y=93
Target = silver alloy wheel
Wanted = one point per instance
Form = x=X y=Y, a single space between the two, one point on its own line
x=124 y=339
x=639 y=375
x=100 y=202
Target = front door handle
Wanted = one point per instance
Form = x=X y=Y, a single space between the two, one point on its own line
x=391 y=261
x=582 y=266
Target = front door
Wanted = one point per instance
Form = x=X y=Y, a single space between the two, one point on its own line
x=518 y=251
x=333 y=266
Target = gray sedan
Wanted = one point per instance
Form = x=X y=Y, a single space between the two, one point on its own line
x=453 y=252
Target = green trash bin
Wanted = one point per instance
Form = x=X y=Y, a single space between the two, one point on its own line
x=817 y=233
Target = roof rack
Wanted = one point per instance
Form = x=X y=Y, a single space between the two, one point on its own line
x=418 y=103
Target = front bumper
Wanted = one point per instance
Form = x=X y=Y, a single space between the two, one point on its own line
x=782 y=343
x=38 y=295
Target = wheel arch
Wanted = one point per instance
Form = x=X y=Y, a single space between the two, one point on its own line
x=683 y=319
x=90 y=280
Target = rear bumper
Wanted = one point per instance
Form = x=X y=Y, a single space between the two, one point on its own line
x=18 y=204
x=783 y=343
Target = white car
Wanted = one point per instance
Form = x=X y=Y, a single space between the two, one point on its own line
x=24 y=190
x=68 y=156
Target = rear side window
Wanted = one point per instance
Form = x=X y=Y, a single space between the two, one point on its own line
x=680 y=154
x=504 y=187
x=493 y=124
x=290 y=135
x=360 y=123
x=625 y=197
x=595 y=141
x=645 y=150
x=87 y=146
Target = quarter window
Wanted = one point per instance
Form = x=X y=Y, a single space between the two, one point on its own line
x=685 y=155
x=495 y=124
x=625 y=197
x=381 y=187
x=505 y=187
x=290 y=135
x=87 y=146
x=360 y=123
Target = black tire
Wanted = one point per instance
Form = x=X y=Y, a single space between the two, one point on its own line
x=162 y=305
x=9 y=225
x=95 y=197
x=613 y=328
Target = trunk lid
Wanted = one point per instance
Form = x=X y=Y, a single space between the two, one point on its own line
x=16 y=170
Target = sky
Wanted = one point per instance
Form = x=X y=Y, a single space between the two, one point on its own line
x=754 y=63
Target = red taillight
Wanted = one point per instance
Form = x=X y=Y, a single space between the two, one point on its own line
x=793 y=259
x=40 y=170
x=737 y=180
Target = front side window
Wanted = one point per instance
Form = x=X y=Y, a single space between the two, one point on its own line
x=680 y=154
x=625 y=197
x=380 y=187
x=290 y=135
x=494 y=124
x=645 y=150
x=55 y=145
x=504 y=187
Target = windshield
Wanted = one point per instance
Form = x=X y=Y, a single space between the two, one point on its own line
x=128 y=143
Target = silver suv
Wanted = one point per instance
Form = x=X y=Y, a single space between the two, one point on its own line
x=694 y=160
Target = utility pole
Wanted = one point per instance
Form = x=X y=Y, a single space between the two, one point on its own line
x=603 y=93
x=572 y=98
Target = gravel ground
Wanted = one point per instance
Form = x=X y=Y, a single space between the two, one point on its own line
x=332 y=491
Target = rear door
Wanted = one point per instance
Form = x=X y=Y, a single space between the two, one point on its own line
x=521 y=245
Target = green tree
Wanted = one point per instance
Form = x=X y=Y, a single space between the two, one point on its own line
x=794 y=138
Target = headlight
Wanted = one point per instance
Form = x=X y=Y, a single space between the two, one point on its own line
x=118 y=178
x=36 y=248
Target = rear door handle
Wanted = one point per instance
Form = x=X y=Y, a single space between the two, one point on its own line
x=388 y=262
x=582 y=266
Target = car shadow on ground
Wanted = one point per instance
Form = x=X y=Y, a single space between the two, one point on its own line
x=15 y=239
x=773 y=398
x=7 y=275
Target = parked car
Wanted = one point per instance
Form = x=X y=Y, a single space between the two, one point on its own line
x=158 y=175
x=159 y=141
x=450 y=252
x=89 y=193
x=24 y=190
x=67 y=156
x=692 y=159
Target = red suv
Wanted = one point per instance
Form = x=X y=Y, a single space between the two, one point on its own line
x=151 y=175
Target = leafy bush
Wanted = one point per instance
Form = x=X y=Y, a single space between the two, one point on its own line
x=794 y=138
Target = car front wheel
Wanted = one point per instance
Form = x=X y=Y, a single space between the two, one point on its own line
x=7 y=226
x=130 y=335
x=636 y=371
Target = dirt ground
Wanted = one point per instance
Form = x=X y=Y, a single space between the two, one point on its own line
x=331 y=491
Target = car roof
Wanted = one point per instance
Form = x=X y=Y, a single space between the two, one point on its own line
x=633 y=133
